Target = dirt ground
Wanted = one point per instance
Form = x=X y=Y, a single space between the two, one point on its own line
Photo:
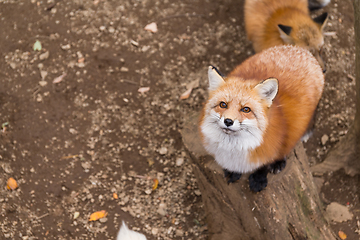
x=110 y=123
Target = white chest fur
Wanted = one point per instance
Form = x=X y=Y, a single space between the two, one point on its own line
x=231 y=150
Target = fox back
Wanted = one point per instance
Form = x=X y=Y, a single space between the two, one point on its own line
x=271 y=23
x=258 y=113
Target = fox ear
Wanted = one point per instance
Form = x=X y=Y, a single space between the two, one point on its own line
x=215 y=78
x=285 y=33
x=268 y=89
x=322 y=19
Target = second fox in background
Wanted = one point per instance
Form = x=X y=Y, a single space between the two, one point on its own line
x=271 y=23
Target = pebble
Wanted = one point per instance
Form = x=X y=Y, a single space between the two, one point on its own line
x=124 y=69
x=154 y=231
x=43 y=74
x=163 y=150
x=65 y=47
x=44 y=55
x=13 y=65
x=179 y=232
x=179 y=162
x=43 y=83
x=162 y=209
x=324 y=139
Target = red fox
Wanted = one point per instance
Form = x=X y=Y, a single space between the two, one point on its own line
x=255 y=116
x=271 y=23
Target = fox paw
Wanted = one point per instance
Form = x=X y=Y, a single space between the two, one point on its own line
x=258 y=180
x=231 y=176
x=277 y=166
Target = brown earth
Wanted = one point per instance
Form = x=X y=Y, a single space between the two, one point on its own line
x=71 y=145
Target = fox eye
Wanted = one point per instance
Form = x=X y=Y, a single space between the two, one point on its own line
x=223 y=105
x=246 y=109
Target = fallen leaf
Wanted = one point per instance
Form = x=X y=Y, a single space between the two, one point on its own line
x=190 y=86
x=156 y=183
x=37 y=46
x=11 y=184
x=115 y=196
x=186 y=94
x=143 y=89
x=151 y=27
x=59 y=78
x=150 y=162
x=342 y=235
x=97 y=215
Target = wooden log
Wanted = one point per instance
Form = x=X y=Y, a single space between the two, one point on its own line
x=289 y=208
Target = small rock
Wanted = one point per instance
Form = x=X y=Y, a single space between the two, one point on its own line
x=134 y=43
x=124 y=69
x=13 y=65
x=103 y=220
x=111 y=29
x=148 y=191
x=73 y=131
x=179 y=162
x=324 y=139
x=154 y=231
x=162 y=209
x=179 y=232
x=338 y=213
x=43 y=83
x=43 y=74
x=44 y=55
x=76 y=215
x=163 y=151
x=85 y=165
x=197 y=192
x=65 y=47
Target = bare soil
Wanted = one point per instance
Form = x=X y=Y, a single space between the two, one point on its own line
x=71 y=145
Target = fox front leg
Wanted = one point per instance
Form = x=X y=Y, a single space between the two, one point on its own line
x=258 y=180
x=231 y=176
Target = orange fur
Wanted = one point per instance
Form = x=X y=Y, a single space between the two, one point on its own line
x=262 y=18
x=300 y=85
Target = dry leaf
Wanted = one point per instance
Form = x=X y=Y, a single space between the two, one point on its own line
x=11 y=184
x=150 y=162
x=59 y=78
x=186 y=94
x=143 y=89
x=97 y=215
x=156 y=183
x=151 y=27
x=115 y=196
x=190 y=86
x=342 y=235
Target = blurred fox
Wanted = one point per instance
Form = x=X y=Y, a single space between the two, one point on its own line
x=270 y=23
x=255 y=116
x=126 y=234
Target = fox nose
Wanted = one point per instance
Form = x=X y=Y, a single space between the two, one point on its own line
x=228 y=122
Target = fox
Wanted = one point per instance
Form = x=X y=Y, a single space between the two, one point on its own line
x=126 y=234
x=255 y=116
x=271 y=23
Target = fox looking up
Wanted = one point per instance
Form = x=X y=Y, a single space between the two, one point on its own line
x=255 y=116
x=271 y=23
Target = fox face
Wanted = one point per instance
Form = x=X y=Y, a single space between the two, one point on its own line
x=235 y=117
